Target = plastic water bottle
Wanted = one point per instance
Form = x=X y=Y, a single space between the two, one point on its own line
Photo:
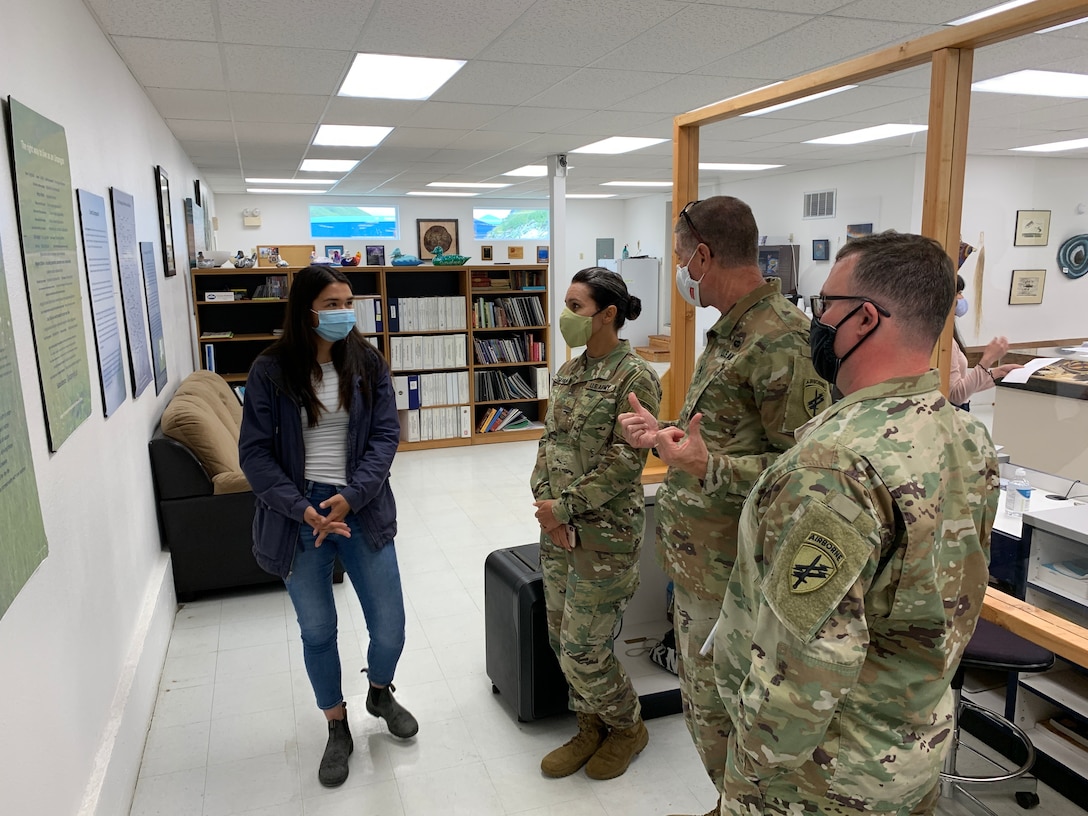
x=1018 y=494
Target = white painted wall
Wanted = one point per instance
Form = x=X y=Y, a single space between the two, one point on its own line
x=83 y=643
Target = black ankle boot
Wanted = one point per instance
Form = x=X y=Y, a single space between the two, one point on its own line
x=334 y=764
x=400 y=722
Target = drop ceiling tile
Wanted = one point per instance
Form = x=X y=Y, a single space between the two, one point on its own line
x=452 y=115
x=427 y=29
x=317 y=24
x=1029 y=51
x=533 y=119
x=211 y=150
x=285 y=70
x=277 y=107
x=254 y=133
x=179 y=103
x=932 y=12
x=348 y=110
x=500 y=83
x=160 y=19
x=603 y=124
x=796 y=51
x=684 y=93
x=698 y=35
x=422 y=137
x=193 y=130
x=813 y=6
x=169 y=64
x=596 y=88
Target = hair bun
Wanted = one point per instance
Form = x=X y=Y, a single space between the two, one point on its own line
x=634 y=307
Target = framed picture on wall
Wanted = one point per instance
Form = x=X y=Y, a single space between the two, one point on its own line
x=1032 y=228
x=515 y=253
x=821 y=249
x=437 y=232
x=858 y=230
x=375 y=256
x=166 y=228
x=541 y=254
x=487 y=253
x=1027 y=286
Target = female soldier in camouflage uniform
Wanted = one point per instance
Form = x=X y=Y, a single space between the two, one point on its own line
x=591 y=510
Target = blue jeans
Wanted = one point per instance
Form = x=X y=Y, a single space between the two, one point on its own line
x=376 y=577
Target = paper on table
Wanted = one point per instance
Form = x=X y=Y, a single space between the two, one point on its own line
x=1021 y=375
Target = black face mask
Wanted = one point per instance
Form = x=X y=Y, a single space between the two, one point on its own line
x=821 y=340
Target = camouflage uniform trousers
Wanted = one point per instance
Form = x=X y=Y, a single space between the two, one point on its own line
x=586 y=593
x=707 y=720
x=790 y=805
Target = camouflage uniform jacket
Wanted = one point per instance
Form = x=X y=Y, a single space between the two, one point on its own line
x=755 y=385
x=583 y=461
x=861 y=569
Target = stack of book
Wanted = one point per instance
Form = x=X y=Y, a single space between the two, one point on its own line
x=480 y=279
x=444 y=313
x=505 y=419
x=519 y=349
x=507 y=311
x=494 y=385
x=368 y=313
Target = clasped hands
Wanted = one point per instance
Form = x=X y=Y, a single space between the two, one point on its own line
x=675 y=448
x=331 y=524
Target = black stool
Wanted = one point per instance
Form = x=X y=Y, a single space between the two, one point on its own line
x=994 y=649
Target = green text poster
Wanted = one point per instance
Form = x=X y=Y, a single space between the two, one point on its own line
x=43 y=184
x=22 y=545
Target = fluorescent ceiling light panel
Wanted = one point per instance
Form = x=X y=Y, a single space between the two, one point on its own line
x=437 y=193
x=1063 y=25
x=591 y=195
x=532 y=170
x=618 y=144
x=328 y=165
x=288 y=190
x=800 y=101
x=350 y=135
x=739 y=168
x=869 y=134
x=970 y=18
x=466 y=185
x=1055 y=147
x=290 y=181
x=637 y=184
x=388 y=76
x=1036 y=83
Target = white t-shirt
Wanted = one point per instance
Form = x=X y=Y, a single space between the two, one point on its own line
x=326 y=444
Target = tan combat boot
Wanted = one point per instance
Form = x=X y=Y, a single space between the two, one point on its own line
x=621 y=746
x=567 y=759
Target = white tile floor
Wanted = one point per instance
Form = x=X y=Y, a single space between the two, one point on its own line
x=236 y=731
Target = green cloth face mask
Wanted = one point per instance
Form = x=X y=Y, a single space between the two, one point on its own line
x=575 y=328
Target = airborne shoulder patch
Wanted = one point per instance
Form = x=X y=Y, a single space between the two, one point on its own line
x=814 y=563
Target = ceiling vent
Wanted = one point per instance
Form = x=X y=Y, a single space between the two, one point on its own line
x=820 y=205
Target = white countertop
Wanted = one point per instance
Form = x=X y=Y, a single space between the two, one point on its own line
x=1039 y=506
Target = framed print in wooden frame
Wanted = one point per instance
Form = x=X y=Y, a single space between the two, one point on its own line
x=1032 y=228
x=1027 y=286
x=166 y=229
x=487 y=253
x=541 y=254
x=515 y=253
x=821 y=249
x=437 y=232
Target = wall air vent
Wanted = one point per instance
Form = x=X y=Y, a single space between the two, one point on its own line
x=820 y=205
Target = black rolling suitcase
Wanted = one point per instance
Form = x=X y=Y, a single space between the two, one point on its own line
x=521 y=664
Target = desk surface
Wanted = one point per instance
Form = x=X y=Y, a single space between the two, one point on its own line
x=1040 y=506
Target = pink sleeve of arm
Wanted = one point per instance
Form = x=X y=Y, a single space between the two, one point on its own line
x=964 y=381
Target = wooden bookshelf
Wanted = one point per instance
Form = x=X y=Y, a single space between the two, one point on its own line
x=442 y=302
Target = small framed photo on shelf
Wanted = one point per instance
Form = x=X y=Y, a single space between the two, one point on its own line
x=1027 y=286
x=375 y=256
x=437 y=232
x=541 y=254
x=515 y=253
x=821 y=249
x=1032 y=229
x=334 y=252
x=487 y=253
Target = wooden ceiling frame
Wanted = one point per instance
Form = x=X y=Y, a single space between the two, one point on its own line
x=950 y=52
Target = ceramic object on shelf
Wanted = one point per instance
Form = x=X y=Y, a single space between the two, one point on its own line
x=442 y=259
x=353 y=260
x=400 y=259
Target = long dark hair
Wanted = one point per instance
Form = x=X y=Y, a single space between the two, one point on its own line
x=353 y=357
x=608 y=289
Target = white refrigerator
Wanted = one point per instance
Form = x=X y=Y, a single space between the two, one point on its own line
x=643 y=279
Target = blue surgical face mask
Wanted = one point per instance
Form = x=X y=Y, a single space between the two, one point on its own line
x=334 y=324
x=961 y=307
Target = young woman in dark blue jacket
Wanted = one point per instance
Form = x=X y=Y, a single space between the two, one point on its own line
x=319 y=432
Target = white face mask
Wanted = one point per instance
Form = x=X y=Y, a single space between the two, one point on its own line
x=686 y=285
